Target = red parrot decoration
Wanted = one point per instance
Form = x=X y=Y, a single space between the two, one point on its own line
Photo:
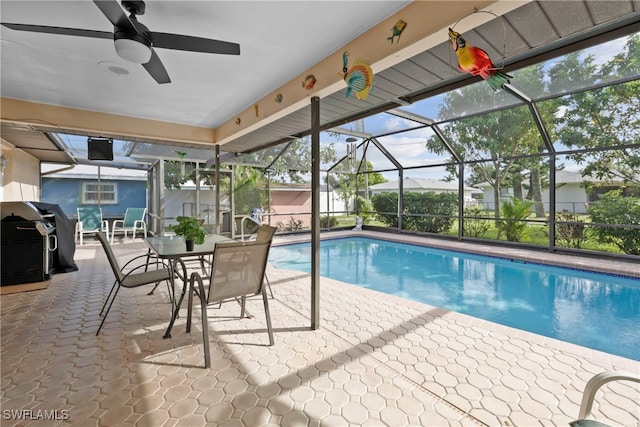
x=476 y=61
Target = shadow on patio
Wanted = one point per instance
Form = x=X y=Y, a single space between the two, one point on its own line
x=376 y=360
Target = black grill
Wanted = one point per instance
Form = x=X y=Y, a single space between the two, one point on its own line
x=27 y=243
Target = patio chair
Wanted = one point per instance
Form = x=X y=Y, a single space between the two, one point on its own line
x=133 y=221
x=133 y=277
x=265 y=235
x=589 y=394
x=236 y=273
x=89 y=221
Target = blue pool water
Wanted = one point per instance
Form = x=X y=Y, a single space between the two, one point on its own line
x=593 y=310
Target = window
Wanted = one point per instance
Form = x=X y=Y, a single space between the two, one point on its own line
x=106 y=193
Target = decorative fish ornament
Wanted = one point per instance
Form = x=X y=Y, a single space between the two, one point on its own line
x=397 y=30
x=476 y=61
x=359 y=77
x=309 y=82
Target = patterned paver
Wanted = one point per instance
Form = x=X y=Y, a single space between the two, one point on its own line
x=376 y=360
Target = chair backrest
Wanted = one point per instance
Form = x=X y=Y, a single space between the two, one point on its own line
x=90 y=217
x=237 y=270
x=132 y=215
x=265 y=234
x=113 y=261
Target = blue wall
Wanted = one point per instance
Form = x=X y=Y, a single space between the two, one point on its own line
x=67 y=193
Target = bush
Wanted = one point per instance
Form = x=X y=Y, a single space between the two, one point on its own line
x=428 y=212
x=611 y=208
x=328 y=221
x=512 y=224
x=290 y=225
x=364 y=207
x=386 y=207
x=475 y=227
x=570 y=235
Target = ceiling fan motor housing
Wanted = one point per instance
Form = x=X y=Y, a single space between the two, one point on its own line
x=134 y=7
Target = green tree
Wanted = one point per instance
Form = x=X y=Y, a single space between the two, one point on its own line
x=249 y=189
x=604 y=117
x=345 y=183
x=612 y=208
x=495 y=137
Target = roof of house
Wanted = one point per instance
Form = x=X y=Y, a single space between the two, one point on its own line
x=419 y=184
x=87 y=172
x=567 y=177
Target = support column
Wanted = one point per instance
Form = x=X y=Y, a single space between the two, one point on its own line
x=315 y=212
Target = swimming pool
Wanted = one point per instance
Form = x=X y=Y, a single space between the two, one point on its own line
x=589 y=309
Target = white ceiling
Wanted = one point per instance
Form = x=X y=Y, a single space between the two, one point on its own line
x=278 y=40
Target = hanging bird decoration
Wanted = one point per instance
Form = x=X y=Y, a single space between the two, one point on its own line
x=397 y=30
x=359 y=78
x=476 y=61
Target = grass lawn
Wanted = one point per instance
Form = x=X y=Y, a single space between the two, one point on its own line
x=536 y=234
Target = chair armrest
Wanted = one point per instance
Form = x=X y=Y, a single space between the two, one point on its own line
x=105 y=225
x=594 y=385
x=153 y=260
x=115 y=223
x=139 y=221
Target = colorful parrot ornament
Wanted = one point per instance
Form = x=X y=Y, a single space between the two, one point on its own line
x=476 y=61
x=359 y=77
x=397 y=30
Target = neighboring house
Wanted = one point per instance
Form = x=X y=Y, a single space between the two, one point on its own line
x=421 y=185
x=77 y=187
x=293 y=201
x=571 y=196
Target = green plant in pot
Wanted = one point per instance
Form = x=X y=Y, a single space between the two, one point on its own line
x=191 y=229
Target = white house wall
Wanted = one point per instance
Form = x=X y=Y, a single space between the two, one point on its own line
x=569 y=197
x=20 y=180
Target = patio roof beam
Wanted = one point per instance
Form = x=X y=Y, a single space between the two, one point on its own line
x=411 y=116
x=447 y=143
x=350 y=132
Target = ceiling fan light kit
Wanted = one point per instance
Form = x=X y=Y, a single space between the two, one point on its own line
x=132 y=47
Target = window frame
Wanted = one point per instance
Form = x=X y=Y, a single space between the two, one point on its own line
x=100 y=193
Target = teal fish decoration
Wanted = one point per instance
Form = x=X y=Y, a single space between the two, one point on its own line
x=397 y=30
x=359 y=78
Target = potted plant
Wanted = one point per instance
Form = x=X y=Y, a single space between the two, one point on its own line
x=191 y=229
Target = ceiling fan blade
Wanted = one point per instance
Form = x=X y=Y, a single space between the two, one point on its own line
x=194 y=44
x=116 y=15
x=60 y=30
x=156 y=69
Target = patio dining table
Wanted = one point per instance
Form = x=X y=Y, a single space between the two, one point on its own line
x=174 y=250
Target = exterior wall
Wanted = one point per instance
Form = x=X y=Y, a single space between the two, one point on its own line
x=67 y=193
x=335 y=204
x=288 y=204
x=21 y=176
x=569 y=197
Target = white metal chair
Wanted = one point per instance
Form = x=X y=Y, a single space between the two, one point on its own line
x=133 y=221
x=133 y=277
x=237 y=272
x=589 y=394
x=89 y=221
x=250 y=223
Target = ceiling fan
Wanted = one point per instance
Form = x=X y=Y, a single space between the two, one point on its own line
x=133 y=41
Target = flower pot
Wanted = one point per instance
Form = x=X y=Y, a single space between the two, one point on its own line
x=189 y=243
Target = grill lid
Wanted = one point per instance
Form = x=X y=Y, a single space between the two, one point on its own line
x=25 y=210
